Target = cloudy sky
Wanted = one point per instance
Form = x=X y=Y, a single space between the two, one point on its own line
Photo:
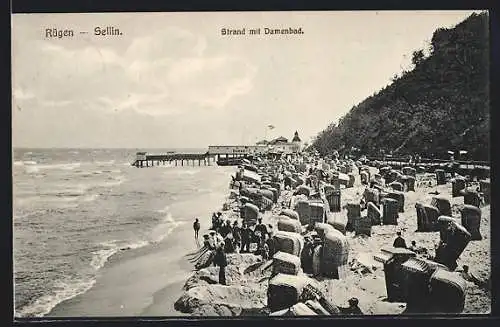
x=172 y=80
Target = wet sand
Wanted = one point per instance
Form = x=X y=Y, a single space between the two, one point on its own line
x=140 y=282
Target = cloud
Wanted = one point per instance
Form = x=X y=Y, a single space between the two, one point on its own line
x=162 y=73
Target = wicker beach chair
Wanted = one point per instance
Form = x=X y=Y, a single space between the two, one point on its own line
x=447 y=292
x=304 y=210
x=392 y=259
x=374 y=214
x=390 y=211
x=288 y=224
x=471 y=220
x=457 y=185
x=285 y=263
x=335 y=255
x=454 y=241
x=485 y=188
x=290 y=214
x=427 y=217
x=288 y=242
x=285 y=290
x=443 y=205
x=353 y=214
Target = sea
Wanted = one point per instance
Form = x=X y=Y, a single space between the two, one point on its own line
x=73 y=209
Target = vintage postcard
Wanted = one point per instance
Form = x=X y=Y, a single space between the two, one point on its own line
x=251 y=163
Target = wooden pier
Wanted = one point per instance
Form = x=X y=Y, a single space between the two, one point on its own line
x=222 y=155
x=183 y=159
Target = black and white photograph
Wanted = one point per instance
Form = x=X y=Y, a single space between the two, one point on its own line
x=259 y=163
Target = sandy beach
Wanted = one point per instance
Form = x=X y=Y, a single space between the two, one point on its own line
x=368 y=285
x=148 y=281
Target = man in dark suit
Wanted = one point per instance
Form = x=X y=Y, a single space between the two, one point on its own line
x=399 y=242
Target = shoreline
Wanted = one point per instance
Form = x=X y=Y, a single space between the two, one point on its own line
x=114 y=294
x=145 y=281
x=155 y=290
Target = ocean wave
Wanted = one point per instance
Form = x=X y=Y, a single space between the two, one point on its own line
x=114 y=181
x=24 y=162
x=108 y=183
x=60 y=202
x=65 y=290
x=70 y=192
x=100 y=257
x=105 y=163
x=34 y=167
x=90 y=198
x=165 y=227
x=110 y=171
x=62 y=166
x=31 y=169
x=22 y=215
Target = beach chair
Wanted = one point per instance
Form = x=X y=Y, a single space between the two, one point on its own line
x=335 y=256
x=457 y=185
x=353 y=214
x=390 y=211
x=447 y=292
x=454 y=241
x=471 y=220
x=485 y=188
x=285 y=263
x=416 y=274
x=427 y=217
x=440 y=176
x=442 y=204
x=392 y=259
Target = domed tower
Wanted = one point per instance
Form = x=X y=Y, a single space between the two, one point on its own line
x=297 y=142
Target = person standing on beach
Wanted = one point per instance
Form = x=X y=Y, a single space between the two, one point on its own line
x=237 y=235
x=220 y=260
x=225 y=229
x=245 y=239
x=214 y=221
x=262 y=229
x=196 y=227
x=270 y=242
x=218 y=238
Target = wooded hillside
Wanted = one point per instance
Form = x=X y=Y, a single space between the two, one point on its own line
x=441 y=104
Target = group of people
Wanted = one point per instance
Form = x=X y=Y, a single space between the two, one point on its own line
x=238 y=239
x=225 y=237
